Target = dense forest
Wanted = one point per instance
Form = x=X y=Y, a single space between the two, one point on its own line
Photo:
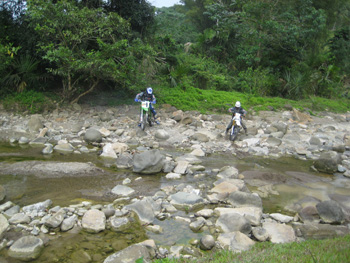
x=277 y=48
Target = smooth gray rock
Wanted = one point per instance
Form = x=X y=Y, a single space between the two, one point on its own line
x=243 y=199
x=207 y=242
x=26 y=248
x=92 y=135
x=230 y=222
x=148 y=162
x=330 y=212
x=94 y=221
x=133 y=253
x=3 y=225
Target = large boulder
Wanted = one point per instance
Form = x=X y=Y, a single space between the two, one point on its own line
x=230 y=222
x=133 y=253
x=35 y=123
x=330 y=212
x=279 y=233
x=148 y=162
x=26 y=248
x=146 y=209
x=328 y=162
x=94 y=221
x=235 y=241
x=243 y=199
x=92 y=135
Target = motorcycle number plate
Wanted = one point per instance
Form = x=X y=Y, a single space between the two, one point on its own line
x=145 y=104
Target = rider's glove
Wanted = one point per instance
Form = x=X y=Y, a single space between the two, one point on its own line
x=136 y=100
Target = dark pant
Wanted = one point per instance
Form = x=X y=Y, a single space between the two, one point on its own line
x=153 y=110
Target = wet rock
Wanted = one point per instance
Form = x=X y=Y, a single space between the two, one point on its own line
x=309 y=213
x=124 y=161
x=56 y=219
x=19 y=218
x=181 y=167
x=186 y=200
x=311 y=230
x=328 y=162
x=119 y=223
x=3 y=225
x=242 y=199
x=41 y=206
x=146 y=209
x=12 y=211
x=252 y=214
x=26 y=248
x=207 y=242
x=23 y=140
x=48 y=149
x=197 y=224
x=92 y=135
x=94 y=221
x=330 y=212
x=64 y=148
x=122 y=190
x=228 y=172
x=132 y=253
x=2 y=193
x=68 y=223
x=148 y=162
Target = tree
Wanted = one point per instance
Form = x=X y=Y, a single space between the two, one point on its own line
x=84 y=46
x=140 y=13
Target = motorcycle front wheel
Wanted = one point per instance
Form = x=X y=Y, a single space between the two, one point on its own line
x=143 y=123
x=234 y=133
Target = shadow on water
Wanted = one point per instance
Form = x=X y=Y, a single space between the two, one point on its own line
x=281 y=183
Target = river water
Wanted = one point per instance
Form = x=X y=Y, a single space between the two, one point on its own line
x=282 y=181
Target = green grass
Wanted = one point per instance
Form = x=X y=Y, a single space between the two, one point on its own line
x=328 y=250
x=209 y=101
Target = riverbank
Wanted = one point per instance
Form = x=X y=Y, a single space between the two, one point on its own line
x=215 y=196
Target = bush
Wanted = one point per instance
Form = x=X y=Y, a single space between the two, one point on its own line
x=31 y=101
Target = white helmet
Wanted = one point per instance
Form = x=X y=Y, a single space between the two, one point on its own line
x=238 y=104
x=149 y=90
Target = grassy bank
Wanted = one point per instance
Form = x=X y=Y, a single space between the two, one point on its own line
x=219 y=101
x=204 y=101
x=314 y=251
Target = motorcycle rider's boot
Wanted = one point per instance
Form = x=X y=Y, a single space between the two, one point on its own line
x=226 y=131
x=246 y=131
x=155 y=120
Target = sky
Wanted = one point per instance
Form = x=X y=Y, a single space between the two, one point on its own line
x=164 y=3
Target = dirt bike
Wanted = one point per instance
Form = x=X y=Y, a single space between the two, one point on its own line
x=236 y=126
x=145 y=115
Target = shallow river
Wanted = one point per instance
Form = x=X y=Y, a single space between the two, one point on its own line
x=291 y=179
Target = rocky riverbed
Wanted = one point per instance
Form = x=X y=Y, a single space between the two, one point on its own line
x=218 y=203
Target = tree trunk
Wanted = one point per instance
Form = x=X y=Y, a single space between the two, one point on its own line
x=86 y=92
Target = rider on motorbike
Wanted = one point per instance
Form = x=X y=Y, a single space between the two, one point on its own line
x=237 y=109
x=148 y=96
